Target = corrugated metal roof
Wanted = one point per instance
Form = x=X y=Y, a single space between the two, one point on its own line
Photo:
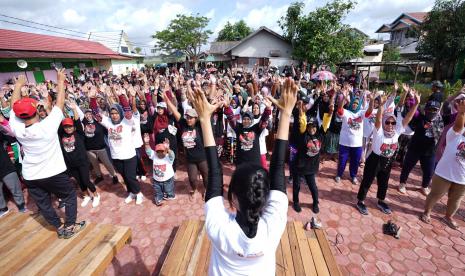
x=219 y=47
x=37 y=54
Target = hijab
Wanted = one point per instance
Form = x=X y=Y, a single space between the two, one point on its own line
x=118 y=108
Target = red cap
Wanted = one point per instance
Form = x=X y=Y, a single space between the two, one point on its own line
x=160 y=147
x=25 y=108
x=67 y=122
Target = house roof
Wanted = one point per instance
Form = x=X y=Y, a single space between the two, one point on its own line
x=219 y=47
x=409 y=19
x=38 y=54
x=30 y=42
x=262 y=28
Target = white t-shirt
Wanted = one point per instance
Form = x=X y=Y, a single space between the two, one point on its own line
x=136 y=134
x=120 y=138
x=233 y=253
x=42 y=153
x=262 y=140
x=162 y=168
x=352 y=128
x=369 y=124
x=451 y=166
x=237 y=116
x=384 y=146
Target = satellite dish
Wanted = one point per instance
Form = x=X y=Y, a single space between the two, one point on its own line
x=21 y=63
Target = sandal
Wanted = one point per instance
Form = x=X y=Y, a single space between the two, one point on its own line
x=452 y=224
x=72 y=230
x=425 y=218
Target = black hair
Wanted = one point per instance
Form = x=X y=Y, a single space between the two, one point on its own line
x=250 y=184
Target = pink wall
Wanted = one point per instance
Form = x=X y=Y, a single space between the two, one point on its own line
x=48 y=74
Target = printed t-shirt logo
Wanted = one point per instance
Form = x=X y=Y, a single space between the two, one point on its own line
x=247 y=139
x=159 y=170
x=115 y=134
x=313 y=147
x=388 y=150
x=89 y=130
x=68 y=143
x=188 y=138
x=460 y=155
x=354 y=123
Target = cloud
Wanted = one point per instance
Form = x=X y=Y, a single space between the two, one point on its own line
x=210 y=14
x=266 y=16
x=71 y=16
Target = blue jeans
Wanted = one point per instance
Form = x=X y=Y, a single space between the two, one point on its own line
x=354 y=153
x=163 y=187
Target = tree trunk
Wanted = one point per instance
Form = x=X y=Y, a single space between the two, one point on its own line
x=437 y=70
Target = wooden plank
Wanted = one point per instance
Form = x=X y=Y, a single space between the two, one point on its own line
x=100 y=257
x=280 y=265
x=23 y=251
x=287 y=255
x=317 y=254
x=51 y=254
x=295 y=250
x=16 y=224
x=327 y=253
x=11 y=220
x=22 y=233
x=204 y=257
x=80 y=251
x=305 y=253
x=177 y=249
x=188 y=256
x=195 y=260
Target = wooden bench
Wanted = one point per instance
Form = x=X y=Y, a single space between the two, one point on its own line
x=29 y=246
x=300 y=252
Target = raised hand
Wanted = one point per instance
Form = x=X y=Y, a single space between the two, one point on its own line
x=92 y=92
x=61 y=75
x=202 y=106
x=21 y=80
x=146 y=138
x=460 y=104
x=396 y=86
x=288 y=97
x=405 y=87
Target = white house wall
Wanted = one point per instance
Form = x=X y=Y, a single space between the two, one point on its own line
x=120 y=66
x=260 y=45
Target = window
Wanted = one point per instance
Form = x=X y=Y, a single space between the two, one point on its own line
x=124 y=49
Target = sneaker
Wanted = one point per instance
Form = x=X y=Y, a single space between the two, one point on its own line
x=314 y=223
x=384 y=207
x=98 y=180
x=296 y=207
x=158 y=202
x=96 y=200
x=355 y=181
x=72 y=230
x=425 y=191
x=139 y=198
x=4 y=211
x=85 y=201
x=115 y=180
x=22 y=208
x=170 y=197
x=130 y=198
x=61 y=204
x=143 y=178
x=392 y=229
x=315 y=209
x=337 y=179
x=61 y=232
x=138 y=178
x=362 y=208
x=402 y=188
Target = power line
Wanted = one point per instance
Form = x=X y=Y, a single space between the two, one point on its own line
x=106 y=39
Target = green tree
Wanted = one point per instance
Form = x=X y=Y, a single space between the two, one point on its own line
x=185 y=33
x=137 y=50
x=442 y=36
x=391 y=54
x=320 y=36
x=234 y=32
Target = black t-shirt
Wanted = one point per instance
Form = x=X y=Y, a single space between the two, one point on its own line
x=6 y=166
x=437 y=96
x=248 y=144
x=308 y=153
x=166 y=134
x=94 y=135
x=73 y=146
x=192 y=141
x=423 y=139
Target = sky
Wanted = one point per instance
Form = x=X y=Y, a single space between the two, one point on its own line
x=142 y=18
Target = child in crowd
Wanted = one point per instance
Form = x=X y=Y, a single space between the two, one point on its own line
x=163 y=173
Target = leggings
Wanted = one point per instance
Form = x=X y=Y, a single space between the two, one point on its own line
x=379 y=167
x=11 y=180
x=102 y=155
x=311 y=182
x=427 y=166
x=82 y=176
x=354 y=153
x=193 y=169
x=404 y=140
x=140 y=169
x=439 y=188
x=127 y=169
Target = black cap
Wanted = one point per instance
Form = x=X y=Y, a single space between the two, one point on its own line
x=433 y=104
x=437 y=83
x=312 y=121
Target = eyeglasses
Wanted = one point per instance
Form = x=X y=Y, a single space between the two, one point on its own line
x=392 y=123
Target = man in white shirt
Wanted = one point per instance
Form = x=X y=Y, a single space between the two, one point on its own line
x=43 y=164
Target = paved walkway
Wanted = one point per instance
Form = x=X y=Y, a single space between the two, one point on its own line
x=362 y=250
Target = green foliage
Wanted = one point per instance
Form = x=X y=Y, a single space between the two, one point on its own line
x=442 y=35
x=234 y=32
x=185 y=33
x=321 y=37
x=391 y=54
x=137 y=50
x=451 y=89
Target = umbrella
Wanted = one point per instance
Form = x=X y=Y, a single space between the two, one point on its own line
x=323 y=75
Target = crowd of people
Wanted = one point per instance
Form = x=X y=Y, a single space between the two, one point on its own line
x=54 y=131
